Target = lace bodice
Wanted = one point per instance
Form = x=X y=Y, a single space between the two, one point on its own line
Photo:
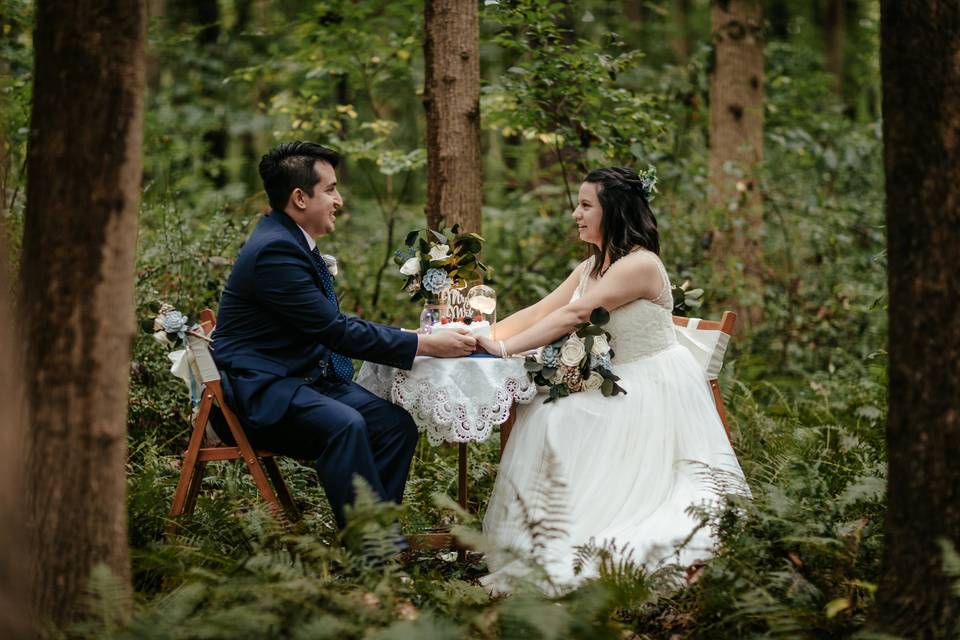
x=639 y=328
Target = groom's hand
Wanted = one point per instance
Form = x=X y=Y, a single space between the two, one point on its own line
x=447 y=344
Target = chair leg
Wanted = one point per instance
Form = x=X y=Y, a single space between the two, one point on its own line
x=194 y=490
x=189 y=469
x=273 y=470
x=249 y=455
x=718 y=400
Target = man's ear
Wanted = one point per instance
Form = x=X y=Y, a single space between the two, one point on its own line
x=297 y=199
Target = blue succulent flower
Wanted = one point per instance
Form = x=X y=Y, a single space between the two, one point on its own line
x=436 y=281
x=551 y=356
x=601 y=361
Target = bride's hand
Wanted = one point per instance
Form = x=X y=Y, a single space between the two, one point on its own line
x=490 y=346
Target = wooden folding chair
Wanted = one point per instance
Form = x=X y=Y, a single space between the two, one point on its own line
x=260 y=463
x=707 y=340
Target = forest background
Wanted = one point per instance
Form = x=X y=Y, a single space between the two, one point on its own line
x=565 y=87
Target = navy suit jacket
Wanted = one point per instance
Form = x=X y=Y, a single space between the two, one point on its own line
x=276 y=328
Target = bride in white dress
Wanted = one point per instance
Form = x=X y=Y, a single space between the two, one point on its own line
x=631 y=464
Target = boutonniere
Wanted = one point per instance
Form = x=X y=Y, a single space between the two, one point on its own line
x=331 y=262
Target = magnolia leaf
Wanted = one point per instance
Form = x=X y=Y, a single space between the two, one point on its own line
x=456 y=229
x=548 y=372
x=442 y=239
x=533 y=365
x=411 y=237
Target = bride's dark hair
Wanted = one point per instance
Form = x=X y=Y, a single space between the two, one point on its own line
x=627 y=220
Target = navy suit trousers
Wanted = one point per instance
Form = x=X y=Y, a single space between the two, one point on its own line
x=347 y=430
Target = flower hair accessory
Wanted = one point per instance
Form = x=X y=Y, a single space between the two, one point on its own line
x=648 y=182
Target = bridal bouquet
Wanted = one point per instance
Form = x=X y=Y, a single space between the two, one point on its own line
x=435 y=262
x=578 y=362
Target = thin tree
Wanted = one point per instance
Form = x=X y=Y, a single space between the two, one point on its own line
x=680 y=42
x=736 y=144
x=920 y=49
x=451 y=97
x=834 y=30
x=83 y=188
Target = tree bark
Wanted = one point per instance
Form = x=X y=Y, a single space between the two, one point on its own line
x=451 y=97
x=921 y=131
x=14 y=579
x=834 y=30
x=83 y=190
x=736 y=144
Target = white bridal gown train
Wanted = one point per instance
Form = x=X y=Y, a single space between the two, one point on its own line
x=632 y=464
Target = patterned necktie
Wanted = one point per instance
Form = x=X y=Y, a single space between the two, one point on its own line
x=342 y=365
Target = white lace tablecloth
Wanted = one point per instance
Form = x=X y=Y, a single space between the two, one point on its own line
x=453 y=399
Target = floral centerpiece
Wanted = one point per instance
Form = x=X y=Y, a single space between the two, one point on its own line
x=434 y=262
x=578 y=362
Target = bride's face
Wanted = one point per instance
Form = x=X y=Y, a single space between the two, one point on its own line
x=589 y=214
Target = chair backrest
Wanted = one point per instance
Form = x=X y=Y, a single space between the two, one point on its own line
x=707 y=340
x=206 y=369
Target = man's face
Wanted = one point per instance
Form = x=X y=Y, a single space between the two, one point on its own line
x=317 y=213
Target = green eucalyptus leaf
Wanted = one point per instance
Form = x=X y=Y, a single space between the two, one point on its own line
x=599 y=316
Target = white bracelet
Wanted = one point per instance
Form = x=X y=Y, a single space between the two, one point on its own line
x=503 y=349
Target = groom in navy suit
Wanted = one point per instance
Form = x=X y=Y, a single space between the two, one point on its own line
x=285 y=349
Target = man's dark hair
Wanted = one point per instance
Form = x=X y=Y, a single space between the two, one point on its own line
x=291 y=166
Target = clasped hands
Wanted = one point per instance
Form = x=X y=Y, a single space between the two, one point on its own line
x=455 y=344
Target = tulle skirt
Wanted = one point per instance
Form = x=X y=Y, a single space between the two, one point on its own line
x=619 y=471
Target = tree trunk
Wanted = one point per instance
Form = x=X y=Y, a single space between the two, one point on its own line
x=14 y=579
x=680 y=43
x=834 y=28
x=451 y=97
x=736 y=145
x=83 y=190
x=920 y=50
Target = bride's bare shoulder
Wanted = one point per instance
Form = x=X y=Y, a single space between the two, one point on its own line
x=638 y=262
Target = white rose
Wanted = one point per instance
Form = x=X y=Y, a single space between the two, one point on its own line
x=595 y=381
x=572 y=351
x=600 y=345
x=162 y=338
x=439 y=252
x=411 y=267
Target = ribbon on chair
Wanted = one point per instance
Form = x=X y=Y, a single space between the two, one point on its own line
x=707 y=346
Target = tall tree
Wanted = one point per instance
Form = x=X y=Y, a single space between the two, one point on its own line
x=451 y=97
x=920 y=50
x=83 y=188
x=736 y=143
x=14 y=578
